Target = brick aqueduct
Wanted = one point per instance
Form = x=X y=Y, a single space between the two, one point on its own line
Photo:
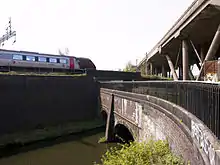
x=147 y=117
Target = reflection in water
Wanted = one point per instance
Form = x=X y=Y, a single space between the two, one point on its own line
x=80 y=151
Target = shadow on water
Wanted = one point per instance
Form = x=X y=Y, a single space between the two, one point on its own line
x=13 y=149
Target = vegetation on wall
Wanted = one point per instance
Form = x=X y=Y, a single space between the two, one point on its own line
x=144 y=153
x=143 y=69
x=129 y=67
x=155 y=77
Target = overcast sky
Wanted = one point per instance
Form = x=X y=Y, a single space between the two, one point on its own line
x=109 y=32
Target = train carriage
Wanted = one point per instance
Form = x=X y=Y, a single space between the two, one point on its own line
x=24 y=59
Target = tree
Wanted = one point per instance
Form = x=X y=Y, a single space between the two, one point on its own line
x=130 y=68
x=64 y=53
x=143 y=69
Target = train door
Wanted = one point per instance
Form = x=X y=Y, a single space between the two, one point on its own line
x=71 y=63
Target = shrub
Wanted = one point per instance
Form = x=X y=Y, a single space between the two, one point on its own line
x=154 y=77
x=102 y=140
x=134 y=153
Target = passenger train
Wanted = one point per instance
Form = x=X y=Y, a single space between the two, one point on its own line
x=25 y=59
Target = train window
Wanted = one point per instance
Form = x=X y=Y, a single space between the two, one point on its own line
x=53 y=60
x=17 y=57
x=24 y=57
x=63 y=61
x=30 y=58
x=36 y=58
x=58 y=60
x=42 y=59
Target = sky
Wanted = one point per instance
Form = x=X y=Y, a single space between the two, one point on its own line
x=109 y=32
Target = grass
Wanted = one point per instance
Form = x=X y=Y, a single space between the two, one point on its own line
x=102 y=140
x=154 y=77
x=24 y=137
x=41 y=74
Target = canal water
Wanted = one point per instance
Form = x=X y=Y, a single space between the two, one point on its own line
x=81 y=149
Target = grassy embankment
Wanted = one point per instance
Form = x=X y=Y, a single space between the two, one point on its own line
x=41 y=74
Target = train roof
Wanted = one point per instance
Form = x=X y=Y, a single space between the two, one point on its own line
x=34 y=53
x=84 y=58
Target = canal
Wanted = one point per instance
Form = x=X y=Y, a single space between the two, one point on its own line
x=81 y=149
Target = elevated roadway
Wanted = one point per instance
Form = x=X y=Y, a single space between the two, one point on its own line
x=193 y=39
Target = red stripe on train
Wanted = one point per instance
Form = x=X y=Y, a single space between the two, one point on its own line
x=71 y=63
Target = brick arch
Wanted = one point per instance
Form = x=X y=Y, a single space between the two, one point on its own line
x=125 y=124
x=104 y=115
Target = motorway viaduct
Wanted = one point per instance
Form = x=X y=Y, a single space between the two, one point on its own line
x=130 y=109
x=193 y=39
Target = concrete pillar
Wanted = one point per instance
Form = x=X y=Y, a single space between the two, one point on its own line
x=180 y=73
x=147 y=68
x=155 y=71
x=171 y=67
x=212 y=50
x=202 y=53
x=185 y=60
x=151 y=69
x=163 y=71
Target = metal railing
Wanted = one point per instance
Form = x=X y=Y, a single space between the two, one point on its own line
x=200 y=98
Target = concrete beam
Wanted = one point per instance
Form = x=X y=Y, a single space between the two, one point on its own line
x=197 y=54
x=202 y=54
x=170 y=63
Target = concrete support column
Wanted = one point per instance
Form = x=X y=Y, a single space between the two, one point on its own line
x=202 y=53
x=146 y=68
x=212 y=50
x=151 y=68
x=180 y=73
x=185 y=60
x=155 y=71
x=171 y=67
x=163 y=71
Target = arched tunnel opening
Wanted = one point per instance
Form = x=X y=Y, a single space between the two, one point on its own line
x=123 y=134
x=104 y=116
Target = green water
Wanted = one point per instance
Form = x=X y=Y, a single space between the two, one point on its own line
x=81 y=149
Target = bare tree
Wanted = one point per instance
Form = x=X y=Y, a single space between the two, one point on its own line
x=67 y=51
x=64 y=53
